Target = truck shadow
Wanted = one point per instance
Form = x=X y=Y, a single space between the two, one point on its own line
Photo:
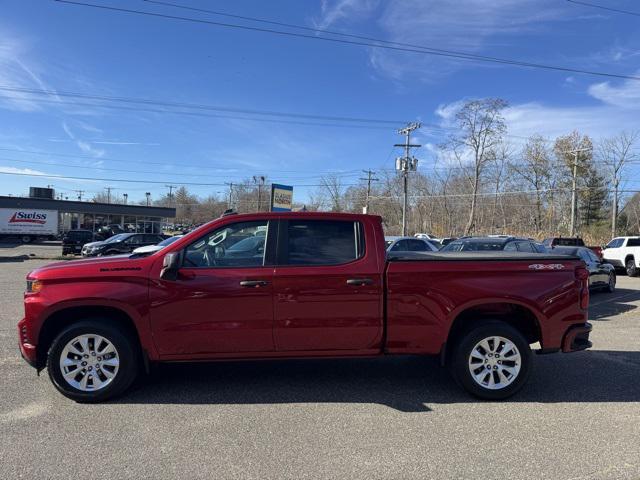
x=406 y=384
x=605 y=305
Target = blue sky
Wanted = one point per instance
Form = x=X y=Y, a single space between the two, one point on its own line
x=67 y=48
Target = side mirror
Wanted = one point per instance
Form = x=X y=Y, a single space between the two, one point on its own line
x=170 y=266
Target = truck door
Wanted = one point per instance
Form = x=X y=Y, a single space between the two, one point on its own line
x=327 y=287
x=222 y=300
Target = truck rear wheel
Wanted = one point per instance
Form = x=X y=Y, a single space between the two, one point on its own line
x=25 y=239
x=92 y=361
x=492 y=361
x=632 y=271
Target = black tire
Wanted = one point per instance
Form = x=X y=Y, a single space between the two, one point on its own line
x=461 y=354
x=127 y=356
x=611 y=284
x=632 y=270
x=25 y=239
x=111 y=252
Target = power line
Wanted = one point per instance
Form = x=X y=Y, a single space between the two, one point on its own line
x=602 y=7
x=100 y=168
x=127 y=180
x=422 y=50
x=88 y=157
x=195 y=106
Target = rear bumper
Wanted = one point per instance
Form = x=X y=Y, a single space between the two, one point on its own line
x=577 y=338
x=615 y=263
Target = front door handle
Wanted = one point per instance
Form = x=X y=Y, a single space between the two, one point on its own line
x=359 y=282
x=254 y=283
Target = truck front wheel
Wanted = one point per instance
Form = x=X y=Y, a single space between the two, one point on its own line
x=92 y=361
x=25 y=239
x=492 y=361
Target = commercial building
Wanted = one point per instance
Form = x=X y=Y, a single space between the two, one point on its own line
x=92 y=216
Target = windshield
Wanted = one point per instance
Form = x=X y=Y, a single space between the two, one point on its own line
x=168 y=241
x=247 y=244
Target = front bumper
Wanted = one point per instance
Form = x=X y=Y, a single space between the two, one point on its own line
x=27 y=349
x=577 y=338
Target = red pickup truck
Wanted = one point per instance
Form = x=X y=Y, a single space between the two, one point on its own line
x=276 y=285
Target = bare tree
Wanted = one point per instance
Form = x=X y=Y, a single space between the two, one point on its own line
x=535 y=170
x=332 y=186
x=482 y=127
x=615 y=152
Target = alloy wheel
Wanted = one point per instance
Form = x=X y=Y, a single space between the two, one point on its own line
x=494 y=362
x=89 y=362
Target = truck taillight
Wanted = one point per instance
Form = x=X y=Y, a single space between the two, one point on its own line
x=582 y=274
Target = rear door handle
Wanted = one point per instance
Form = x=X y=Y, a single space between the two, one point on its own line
x=360 y=281
x=254 y=283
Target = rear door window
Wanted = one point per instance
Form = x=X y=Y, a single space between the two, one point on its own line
x=525 y=247
x=418 y=246
x=321 y=242
x=510 y=247
x=401 y=246
x=633 y=242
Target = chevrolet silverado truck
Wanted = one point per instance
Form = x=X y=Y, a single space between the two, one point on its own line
x=292 y=285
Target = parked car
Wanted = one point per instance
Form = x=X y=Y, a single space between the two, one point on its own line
x=494 y=243
x=427 y=236
x=74 y=240
x=150 y=249
x=121 y=243
x=409 y=244
x=447 y=240
x=602 y=275
x=570 y=242
x=624 y=252
x=108 y=231
x=324 y=286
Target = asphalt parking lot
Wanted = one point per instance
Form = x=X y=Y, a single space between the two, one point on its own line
x=578 y=418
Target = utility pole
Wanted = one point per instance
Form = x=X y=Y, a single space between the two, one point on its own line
x=80 y=193
x=574 y=198
x=230 y=201
x=259 y=180
x=170 y=187
x=406 y=164
x=370 y=178
x=125 y=196
x=108 y=189
x=148 y=194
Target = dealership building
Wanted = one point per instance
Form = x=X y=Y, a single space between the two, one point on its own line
x=92 y=216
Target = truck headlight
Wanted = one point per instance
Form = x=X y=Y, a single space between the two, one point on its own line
x=34 y=286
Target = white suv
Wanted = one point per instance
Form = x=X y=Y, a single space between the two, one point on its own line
x=624 y=252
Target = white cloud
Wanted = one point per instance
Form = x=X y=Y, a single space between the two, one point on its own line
x=465 y=25
x=17 y=72
x=82 y=144
x=332 y=11
x=625 y=95
x=21 y=171
x=617 y=109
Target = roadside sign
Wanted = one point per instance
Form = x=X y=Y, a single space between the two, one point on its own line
x=281 y=198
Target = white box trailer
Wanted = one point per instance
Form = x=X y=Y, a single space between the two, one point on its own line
x=28 y=223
